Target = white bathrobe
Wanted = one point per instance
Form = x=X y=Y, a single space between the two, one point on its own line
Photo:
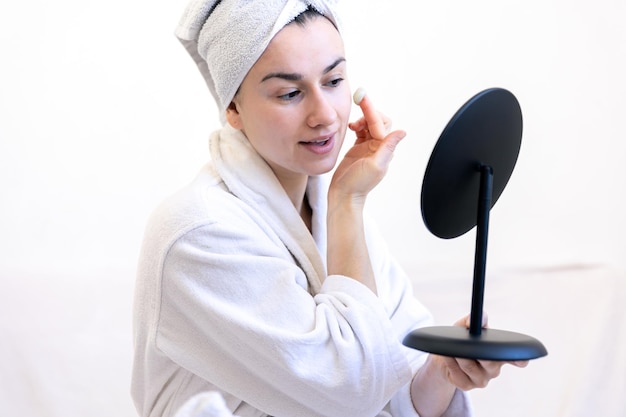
x=232 y=296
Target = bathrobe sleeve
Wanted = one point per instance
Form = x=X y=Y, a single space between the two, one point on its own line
x=405 y=314
x=234 y=308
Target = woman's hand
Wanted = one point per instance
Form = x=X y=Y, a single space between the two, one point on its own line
x=433 y=386
x=362 y=168
x=366 y=163
x=467 y=374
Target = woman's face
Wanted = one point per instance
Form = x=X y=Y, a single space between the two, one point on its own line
x=295 y=102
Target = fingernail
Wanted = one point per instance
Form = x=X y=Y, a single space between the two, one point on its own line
x=358 y=95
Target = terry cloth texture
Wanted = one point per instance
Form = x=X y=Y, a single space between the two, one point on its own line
x=225 y=38
x=233 y=296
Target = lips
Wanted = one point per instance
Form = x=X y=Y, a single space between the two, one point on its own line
x=320 y=145
x=318 y=142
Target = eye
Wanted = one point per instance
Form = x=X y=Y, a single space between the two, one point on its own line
x=290 y=95
x=335 y=82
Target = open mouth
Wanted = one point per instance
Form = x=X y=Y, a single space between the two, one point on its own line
x=319 y=146
x=318 y=142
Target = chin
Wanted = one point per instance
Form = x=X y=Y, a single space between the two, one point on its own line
x=326 y=167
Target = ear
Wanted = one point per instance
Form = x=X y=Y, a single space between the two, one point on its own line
x=233 y=117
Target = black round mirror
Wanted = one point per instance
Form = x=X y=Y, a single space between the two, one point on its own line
x=468 y=169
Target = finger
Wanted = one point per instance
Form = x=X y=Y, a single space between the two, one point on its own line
x=384 y=154
x=357 y=125
x=392 y=140
x=519 y=364
x=494 y=366
x=455 y=374
x=361 y=124
x=465 y=321
x=479 y=373
x=375 y=122
x=491 y=368
x=360 y=128
x=485 y=322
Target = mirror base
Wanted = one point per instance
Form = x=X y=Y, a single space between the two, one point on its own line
x=491 y=344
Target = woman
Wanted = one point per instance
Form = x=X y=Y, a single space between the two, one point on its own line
x=261 y=281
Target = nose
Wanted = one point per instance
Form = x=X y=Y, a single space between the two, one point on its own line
x=321 y=109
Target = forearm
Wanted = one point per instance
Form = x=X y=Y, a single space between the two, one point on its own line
x=348 y=254
x=431 y=391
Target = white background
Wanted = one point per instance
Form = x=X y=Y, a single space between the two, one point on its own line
x=102 y=114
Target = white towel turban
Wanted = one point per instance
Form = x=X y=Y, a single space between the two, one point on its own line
x=225 y=38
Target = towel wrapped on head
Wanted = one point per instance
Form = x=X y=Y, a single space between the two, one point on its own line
x=225 y=38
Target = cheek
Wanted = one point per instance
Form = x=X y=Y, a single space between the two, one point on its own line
x=260 y=121
x=345 y=103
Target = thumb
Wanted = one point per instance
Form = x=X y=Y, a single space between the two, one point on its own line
x=388 y=147
x=393 y=139
x=465 y=321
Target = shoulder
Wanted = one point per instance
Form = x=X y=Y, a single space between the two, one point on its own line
x=203 y=202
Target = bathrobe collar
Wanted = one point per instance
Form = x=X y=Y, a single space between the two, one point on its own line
x=246 y=174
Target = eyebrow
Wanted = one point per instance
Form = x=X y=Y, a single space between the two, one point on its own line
x=297 y=77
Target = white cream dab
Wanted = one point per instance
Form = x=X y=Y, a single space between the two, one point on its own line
x=358 y=95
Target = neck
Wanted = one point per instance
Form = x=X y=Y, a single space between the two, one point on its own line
x=295 y=187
